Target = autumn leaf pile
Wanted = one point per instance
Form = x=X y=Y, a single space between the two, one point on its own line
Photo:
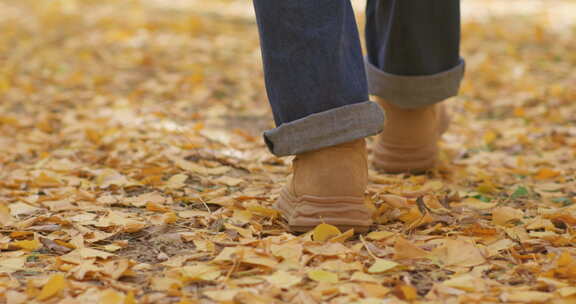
x=132 y=170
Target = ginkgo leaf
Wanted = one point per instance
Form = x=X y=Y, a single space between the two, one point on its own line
x=53 y=287
x=323 y=276
x=111 y=296
x=283 y=279
x=546 y=173
x=407 y=292
x=10 y=265
x=28 y=245
x=379 y=235
x=382 y=265
x=130 y=299
x=323 y=232
x=527 y=296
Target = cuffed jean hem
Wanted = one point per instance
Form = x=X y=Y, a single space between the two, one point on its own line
x=326 y=129
x=414 y=91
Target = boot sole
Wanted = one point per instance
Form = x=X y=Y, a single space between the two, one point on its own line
x=306 y=212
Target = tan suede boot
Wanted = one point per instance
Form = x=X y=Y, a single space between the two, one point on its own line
x=327 y=186
x=409 y=142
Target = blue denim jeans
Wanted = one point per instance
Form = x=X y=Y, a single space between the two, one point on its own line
x=318 y=81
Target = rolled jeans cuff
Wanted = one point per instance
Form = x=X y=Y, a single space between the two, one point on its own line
x=414 y=91
x=326 y=129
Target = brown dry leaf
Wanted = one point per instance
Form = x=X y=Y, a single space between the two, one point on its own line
x=120 y=219
x=379 y=235
x=459 y=253
x=177 y=181
x=5 y=216
x=404 y=249
x=229 y=181
x=224 y=296
x=197 y=169
x=502 y=244
x=503 y=215
x=546 y=173
x=363 y=277
x=283 y=279
x=22 y=209
x=567 y=291
x=395 y=201
x=10 y=265
x=466 y=282
x=527 y=296
x=328 y=249
x=200 y=272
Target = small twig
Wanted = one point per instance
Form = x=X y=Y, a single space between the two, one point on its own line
x=205 y=205
x=367 y=248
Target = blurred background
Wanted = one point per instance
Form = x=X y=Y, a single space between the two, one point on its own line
x=192 y=69
x=200 y=59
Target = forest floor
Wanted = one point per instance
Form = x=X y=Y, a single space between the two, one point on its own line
x=132 y=168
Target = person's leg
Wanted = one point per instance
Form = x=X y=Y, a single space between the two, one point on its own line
x=413 y=63
x=317 y=88
x=315 y=76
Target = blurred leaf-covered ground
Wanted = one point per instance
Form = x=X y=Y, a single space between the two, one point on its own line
x=132 y=169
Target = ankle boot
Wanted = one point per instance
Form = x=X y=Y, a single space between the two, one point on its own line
x=327 y=186
x=409 y=142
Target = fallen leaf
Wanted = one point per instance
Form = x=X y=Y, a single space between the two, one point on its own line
x=382 y=265
x=10 y=265
x=546 y=173
x=527 y=296
x=465 y=282
x=323 y=232
x=379 y=235
x=323 y=276
x=111 y=296
x=503 y=215
x=283 y=279
x=459 y=253
x=403 y=249
x=56 y=284
x=28 y=245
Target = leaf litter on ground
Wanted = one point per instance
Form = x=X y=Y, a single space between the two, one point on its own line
x=132 y=170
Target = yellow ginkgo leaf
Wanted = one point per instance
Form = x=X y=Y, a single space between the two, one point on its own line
x=130 y=299
x=407 y=292
x=546 y=173
x=324 y=232
x=379 y=235
x=55 y=285
x=323 y=276
x=111 y=296
x=283 y=279
x=382 y=265
x=489 y=137
x=342 y=237
x=28 y=245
